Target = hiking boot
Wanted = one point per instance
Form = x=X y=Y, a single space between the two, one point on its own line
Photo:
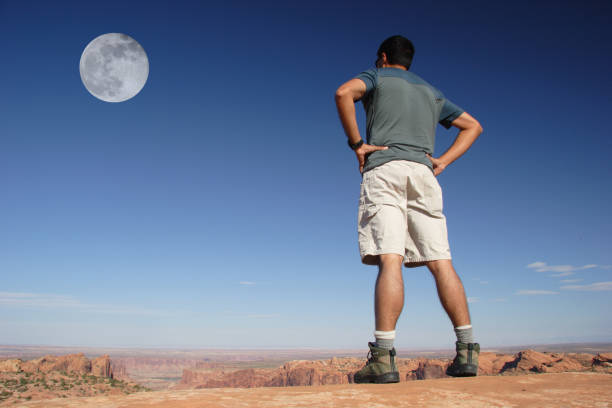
x=380 y=368
x=465 y=363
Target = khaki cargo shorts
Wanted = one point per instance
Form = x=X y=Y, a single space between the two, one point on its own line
x=400 y=212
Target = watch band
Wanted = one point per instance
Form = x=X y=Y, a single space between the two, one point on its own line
x=355 y=146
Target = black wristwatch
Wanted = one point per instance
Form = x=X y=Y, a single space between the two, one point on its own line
x=355 y=146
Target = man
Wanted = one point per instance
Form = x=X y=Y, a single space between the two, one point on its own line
x=400 y=207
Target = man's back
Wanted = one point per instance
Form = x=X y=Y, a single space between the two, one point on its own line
x=402 y=112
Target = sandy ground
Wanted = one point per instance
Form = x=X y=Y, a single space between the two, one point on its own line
x=537 y=390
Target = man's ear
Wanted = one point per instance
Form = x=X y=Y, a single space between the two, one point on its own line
x=384 y=58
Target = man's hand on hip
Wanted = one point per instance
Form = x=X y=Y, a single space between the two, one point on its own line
x=470 y=129
x=362 y=151
x=438 y=165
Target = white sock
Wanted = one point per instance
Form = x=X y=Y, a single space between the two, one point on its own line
x=384 y=339
x=464 y=334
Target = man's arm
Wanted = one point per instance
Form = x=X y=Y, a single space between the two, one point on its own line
x=346 y=96
x=469 y=130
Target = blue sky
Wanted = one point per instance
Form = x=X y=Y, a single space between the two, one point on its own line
x=217 y=208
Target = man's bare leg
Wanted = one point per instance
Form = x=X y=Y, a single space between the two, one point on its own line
x=389 y=292
x=452 y=297
x=450 y=291
x=388 y=304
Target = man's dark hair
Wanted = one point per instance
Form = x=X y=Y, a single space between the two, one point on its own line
x=399 y=51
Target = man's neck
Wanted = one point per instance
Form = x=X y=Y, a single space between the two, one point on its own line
x=394 y=66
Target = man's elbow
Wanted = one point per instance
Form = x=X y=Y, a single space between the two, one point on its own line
x=474 y=126
x=467 y=122
x=342 y=93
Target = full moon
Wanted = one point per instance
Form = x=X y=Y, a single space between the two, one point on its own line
x=114 y=67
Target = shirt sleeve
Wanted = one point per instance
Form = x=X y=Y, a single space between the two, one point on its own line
x=369 y=77
x=449 y=112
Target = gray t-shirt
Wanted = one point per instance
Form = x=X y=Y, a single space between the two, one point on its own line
x=402 y=111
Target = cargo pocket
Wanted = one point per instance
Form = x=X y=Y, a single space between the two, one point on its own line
x=367 y=213
x=368 y=229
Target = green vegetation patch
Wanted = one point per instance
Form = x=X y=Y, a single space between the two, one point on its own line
x=16 y=386
x=5 y=395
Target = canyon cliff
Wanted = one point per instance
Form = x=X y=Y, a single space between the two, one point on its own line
x=66 y=376
x=342 y=370
x=71 y=363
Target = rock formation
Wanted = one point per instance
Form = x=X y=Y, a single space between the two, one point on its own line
x=71 y=363
x=342 y=370
x=119 y=371
x=533 y=361
x=603 y=362
x=11 y=366
x=66 y=376
x=101 y=366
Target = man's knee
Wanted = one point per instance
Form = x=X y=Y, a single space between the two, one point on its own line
x=440 y=266
x=390 y=265
x=390 y=260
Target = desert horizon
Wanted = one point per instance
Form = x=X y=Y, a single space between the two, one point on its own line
x=30 y=376
x=17 y=350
